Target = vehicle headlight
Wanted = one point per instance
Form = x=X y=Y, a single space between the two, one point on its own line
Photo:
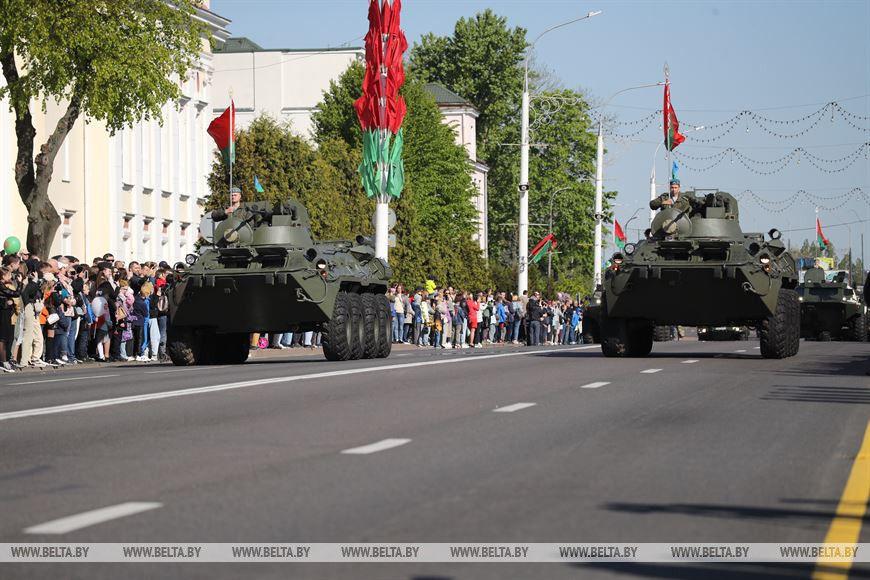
x=190 y=259
x=598 y=301
x=629 y=249
x=764 y=259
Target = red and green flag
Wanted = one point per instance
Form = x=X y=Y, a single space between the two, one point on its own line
x=381 y=109
x=223 y=131
x=618 y=235
x=820 y=237
x=545 y=246
x=671 y=124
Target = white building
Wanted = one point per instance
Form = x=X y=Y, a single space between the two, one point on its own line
x=286 y=84
x=137 y=194
x=462 y=117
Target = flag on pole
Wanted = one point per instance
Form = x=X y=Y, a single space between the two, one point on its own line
x=546 y=245
x=671 y=124
x=258 y=187
x=618 y=235
x=674 y=170
x=820 y=237
x=223 y=131
x=381 y=109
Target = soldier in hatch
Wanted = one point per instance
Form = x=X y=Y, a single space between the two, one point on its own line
x=672 y=199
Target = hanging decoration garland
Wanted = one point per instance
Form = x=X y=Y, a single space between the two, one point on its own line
x=775 y=165
x=803 y=196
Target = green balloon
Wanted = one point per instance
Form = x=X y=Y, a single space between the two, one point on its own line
x=11 y=245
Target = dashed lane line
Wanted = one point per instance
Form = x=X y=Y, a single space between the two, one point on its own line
x=740 y=350
x=260 y=382
x=64 y=379
x=375 y=447
x=690 y=361
x=597 y=385
x=91 y=518
x=650 y=371
x=513 y=408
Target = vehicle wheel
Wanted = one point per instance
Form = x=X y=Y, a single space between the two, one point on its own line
x=184 y=346
x=385 y=343
x=372 y=327
x=777 y=330
x=338 y=333
x=358 y=330
x=795 y=324
x=662 y=334
x=233 y=349
x=614 y=336
x=640 y=337
x=858 y=328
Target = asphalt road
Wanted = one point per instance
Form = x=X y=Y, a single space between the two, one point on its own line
x=727 y=448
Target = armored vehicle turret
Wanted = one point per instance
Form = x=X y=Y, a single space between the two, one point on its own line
x=262 y=272
x=830 y=308
x=696 y=267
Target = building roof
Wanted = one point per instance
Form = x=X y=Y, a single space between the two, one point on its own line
x=244 y=44
x=444 y=96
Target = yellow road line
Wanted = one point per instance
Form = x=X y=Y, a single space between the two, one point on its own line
x=846 y=527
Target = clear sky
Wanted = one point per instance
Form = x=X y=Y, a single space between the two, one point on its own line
x=782 y=60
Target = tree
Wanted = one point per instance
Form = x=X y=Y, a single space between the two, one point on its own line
x=114 y=62
x=483 y=61
x=435 y=219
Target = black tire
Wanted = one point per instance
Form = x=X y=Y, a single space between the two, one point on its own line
x=372 y=327
x=795 y=323
x=184 y=346
x=233 y=348
x=358 y=331
x=338 y=333
x=614 y=336
x=777 y=330
x=640 y=338
x=385 y=344
x=858 y=328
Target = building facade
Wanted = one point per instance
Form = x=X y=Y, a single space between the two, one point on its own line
x=286 y=84
x=138 y=193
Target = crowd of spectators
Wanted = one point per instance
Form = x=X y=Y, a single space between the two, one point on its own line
x=61 y=311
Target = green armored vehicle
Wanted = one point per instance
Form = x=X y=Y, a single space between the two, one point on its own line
x=264 y=273
x=830 y=309
x=696 y=267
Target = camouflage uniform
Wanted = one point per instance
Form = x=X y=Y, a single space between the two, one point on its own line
x=682 y=203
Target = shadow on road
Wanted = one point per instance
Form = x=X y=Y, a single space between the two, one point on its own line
x=714 y=571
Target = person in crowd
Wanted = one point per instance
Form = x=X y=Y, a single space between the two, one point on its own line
x=534 y=316
x=473 y=311
x=8 y=294
x=162 y=300
x=140 y=313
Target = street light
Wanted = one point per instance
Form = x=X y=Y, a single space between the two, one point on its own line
x=633 y=216
x=523 y=258
x=599 y=182
x=652 y=174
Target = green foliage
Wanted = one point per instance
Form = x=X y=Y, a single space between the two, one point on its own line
x=120 y=59
x=483 y=61
x=435 y=218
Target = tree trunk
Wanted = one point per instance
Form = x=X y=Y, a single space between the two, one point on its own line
x=34 y=176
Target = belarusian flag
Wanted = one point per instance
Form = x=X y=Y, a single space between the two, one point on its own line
x=547 y=244
x=671 y=125
x=618 y=235
x=820 y=237
x=223 y=131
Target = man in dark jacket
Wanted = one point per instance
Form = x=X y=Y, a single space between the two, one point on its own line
x=535 y=312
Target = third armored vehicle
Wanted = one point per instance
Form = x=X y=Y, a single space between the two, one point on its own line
x=696 y=267
x=264 y=273
x=830 y=309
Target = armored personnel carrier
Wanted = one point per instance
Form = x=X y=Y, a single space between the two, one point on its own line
x=262 y=272
x=830 y=309
x=696 y=267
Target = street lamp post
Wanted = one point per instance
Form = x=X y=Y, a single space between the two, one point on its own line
x=599 y=182
x=633 y=216
x=523 y=254
x=550 y=231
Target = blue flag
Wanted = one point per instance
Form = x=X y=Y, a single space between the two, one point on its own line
x=674 y=170
x=259 y=186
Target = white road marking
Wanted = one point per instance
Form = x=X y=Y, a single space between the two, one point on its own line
x=650 y=371
x=259 y=382
x=740 y=350
x=185 y=370
x=595 y=385
x=65 y=379
x=757 y=347
x=514 y=407
x=93 y=517
x=690 y=361
x=375 y=447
